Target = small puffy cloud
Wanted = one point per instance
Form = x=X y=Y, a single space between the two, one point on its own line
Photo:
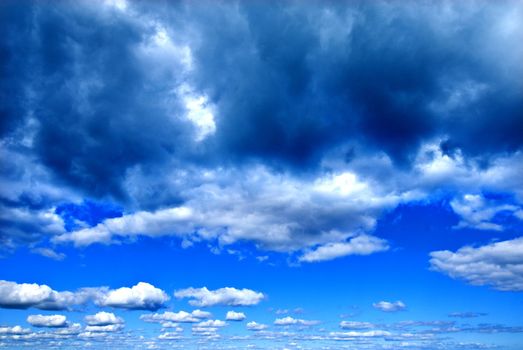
x=212 y=323
x=288 y=321
x=180 y=316
x=103 y=318
x=107 y=328
x=255 y=326
x=170 y=336
x=47 y=320
x=142 y=296
x=356 y=325
x=387 y=306
x=204 y=297
x=499 y=264
x=235 y=316
x=15 y=330
x=359 y=245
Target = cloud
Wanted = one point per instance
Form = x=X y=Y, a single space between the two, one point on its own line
x=49 y=253
x=287 y=321
x=204 y=297
x=498 y=264
x=348 y=108
x=212 y=323
x=356 y=334
x=106 y=328
x=103 y=318
x=47 y=320
x=15 y=330
x=478 y=213
x=25 y=295
x=467 y=314
x=387 y=306
x=359 y=245
x=356 y=325
x=181 y=316
x=142 y=296
x=235 y=316
x=255 y=326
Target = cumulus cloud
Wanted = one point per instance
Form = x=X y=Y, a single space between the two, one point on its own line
x=387 y=306
x=15 y=330
x=204 y=297
x=255 y=326
x=359 y=245
x=142 y=296
x=180 y=316
x=235 y=316
x=25 y=295
x=288 y=321
x=498 y=264
x=47 y=320
x=103 y=318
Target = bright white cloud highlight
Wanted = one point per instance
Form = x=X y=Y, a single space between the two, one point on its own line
x=499 y=264
x=204 y=297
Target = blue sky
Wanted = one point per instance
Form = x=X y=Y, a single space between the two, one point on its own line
x=262 y=175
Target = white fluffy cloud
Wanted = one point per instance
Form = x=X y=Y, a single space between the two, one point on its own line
x=142 y=296
x=180 y=316
x=235 y=316
x=204 y=297
x=255 y=326
x=47 y=320
x=103 y=318
x=499 y=264
x=287 y=321
x=359 y=245
x=15 y=330
x=387 y=306
x=26 y=295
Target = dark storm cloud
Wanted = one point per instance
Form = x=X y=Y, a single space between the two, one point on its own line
x=288 y=81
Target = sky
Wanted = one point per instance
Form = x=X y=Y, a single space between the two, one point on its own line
x=261 y=175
